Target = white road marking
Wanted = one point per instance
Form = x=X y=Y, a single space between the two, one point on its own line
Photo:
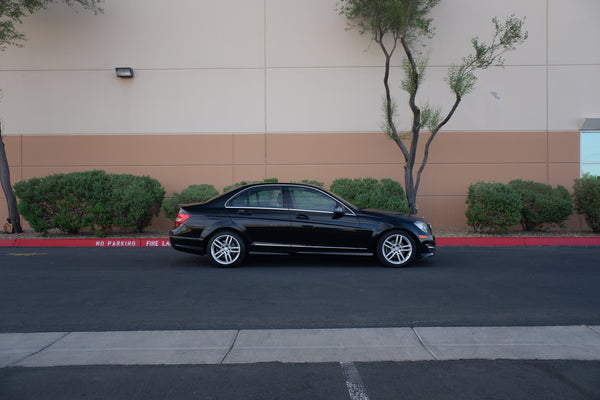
x=354 y=383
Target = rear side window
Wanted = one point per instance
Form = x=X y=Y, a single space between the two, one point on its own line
x=270 y=197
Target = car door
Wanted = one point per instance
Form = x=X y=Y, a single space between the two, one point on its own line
x=261 y=213
x=314 y=226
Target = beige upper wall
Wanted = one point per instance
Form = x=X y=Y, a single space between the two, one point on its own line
x=573 y=32
x=251 y=66
x=145 y=34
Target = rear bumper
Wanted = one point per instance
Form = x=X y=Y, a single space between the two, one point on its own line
x=187 y=244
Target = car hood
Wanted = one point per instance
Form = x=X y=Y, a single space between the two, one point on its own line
x=374 y=213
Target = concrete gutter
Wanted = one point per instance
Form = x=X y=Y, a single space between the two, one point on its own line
x=298 y=345
x=441 y=242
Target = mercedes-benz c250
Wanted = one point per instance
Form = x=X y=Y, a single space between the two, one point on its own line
x=296 y=218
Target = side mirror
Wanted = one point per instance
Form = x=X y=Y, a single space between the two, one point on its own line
x=338 y=212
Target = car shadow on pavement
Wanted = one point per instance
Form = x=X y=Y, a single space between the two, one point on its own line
x=255 y=260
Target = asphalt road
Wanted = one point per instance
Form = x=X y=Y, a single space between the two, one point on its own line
x=54 y=289
x=58 y=289
x=438 y=380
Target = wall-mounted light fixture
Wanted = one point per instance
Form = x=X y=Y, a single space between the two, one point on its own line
x=124 y=72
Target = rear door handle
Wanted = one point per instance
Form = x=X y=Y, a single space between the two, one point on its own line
x=244 y=212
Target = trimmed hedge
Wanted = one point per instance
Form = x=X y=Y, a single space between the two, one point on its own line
x=586 y=193
x=492 y=207
x=192 y=194
x=238 y=184
x=542 y=205
x=90 y=199
x=385 y=194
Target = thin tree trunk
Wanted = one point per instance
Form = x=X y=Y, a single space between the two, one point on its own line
x=411 y=193
x=11 y=200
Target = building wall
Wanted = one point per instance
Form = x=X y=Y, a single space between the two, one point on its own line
x=180 y=160
x=246 y=89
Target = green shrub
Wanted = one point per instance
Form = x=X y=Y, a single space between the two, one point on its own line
x=238 y=184
x=542 y=205
x=586 y=193
x=492 y=207
x=192 y=194
x=135 y=200
x=386 y=194
x=94 y=199
x=61 y=201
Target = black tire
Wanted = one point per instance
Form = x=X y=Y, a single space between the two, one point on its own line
x=226 y=249
x=396 y=249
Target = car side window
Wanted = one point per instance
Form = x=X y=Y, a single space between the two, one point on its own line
x=312 y=200
x=270 y=197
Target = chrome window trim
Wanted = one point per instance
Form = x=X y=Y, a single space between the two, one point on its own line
x=336 y=200
x=257 y=208
x=263 y=244
x=302 y=246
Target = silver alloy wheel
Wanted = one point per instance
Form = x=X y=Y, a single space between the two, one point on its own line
x=397 y=249
x=225 y=249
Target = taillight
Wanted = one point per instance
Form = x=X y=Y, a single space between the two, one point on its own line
x=182 y=216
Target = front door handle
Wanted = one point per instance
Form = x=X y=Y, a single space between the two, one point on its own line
x=301 y=216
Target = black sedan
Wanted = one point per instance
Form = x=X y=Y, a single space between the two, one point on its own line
x=296 y=218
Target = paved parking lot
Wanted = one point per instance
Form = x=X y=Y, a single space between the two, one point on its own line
x=471 y=323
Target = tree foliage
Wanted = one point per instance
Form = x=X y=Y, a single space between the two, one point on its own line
x=407 y=24
x=12 y=13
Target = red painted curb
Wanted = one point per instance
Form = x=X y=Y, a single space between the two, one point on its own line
x=442 y=241
x=106 y=242
x=518 y=241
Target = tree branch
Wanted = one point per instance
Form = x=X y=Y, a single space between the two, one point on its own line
x=433 y=135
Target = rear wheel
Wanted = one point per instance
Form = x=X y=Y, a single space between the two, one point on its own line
x=226 y=249
x=396 y=249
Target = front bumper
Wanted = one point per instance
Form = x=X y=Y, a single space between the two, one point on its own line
x=428 y=247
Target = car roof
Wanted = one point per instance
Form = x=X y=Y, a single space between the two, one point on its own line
x=249 y=185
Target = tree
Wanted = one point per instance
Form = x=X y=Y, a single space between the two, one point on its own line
x=406 y=24
x=11 y=15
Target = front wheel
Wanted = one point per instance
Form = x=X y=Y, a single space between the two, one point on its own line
x=226 y=249
x=396 y=249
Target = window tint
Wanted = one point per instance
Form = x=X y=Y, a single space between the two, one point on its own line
x=269 y=197
x=307 y=199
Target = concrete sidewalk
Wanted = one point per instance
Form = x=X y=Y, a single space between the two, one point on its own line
x=298 y=345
